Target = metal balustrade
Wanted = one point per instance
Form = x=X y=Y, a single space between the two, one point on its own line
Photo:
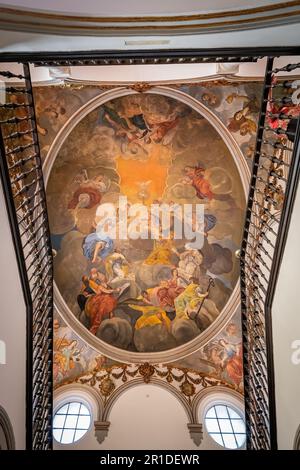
x=26 y=204
x=272 y=190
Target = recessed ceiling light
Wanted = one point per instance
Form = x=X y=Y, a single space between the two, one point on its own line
x=150 y=42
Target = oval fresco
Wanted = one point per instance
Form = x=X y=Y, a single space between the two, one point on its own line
x=146 y=210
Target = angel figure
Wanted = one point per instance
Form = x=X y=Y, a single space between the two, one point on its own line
x=151 y=314
x=143 y=192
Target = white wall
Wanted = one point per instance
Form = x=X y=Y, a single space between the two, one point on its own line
x=286 y=334
x=12 y=332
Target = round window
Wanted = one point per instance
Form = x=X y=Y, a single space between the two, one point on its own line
x=71 y=422
x=225 y=426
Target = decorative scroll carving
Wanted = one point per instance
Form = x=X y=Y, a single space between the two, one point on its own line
x=101 y=430
x=196 y=432
x=140 y=87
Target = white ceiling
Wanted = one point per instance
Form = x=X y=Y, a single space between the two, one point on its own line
x=136 y=7
x=43 y=39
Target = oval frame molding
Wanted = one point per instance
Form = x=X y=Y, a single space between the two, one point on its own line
x=193 y=22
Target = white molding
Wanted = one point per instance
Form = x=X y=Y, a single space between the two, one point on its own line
x=234 y=300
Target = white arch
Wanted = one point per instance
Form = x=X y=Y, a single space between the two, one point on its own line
x=88 y=395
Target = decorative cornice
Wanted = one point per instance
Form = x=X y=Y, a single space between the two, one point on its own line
x=233 y=302
x=55 y=23
x=140 y=87
x=125 y=377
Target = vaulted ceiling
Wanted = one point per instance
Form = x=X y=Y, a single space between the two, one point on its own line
x=60 y=25
x=134 y=18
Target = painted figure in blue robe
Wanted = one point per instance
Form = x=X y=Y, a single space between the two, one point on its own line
x=209 y=222
x=97 y=245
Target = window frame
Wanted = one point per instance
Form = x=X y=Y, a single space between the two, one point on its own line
x=227 y=404
x=68 y=399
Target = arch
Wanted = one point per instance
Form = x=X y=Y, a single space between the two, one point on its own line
x=135 y=383
x=233 y=302
x=7 y=429
x=208 y=395
x=194 y=429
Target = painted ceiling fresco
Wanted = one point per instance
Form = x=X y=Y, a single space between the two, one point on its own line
x=235 y=104
x=150 y=291
x=220 y=360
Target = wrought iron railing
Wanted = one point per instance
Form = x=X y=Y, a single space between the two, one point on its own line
x=272 y=191
x=22 y=180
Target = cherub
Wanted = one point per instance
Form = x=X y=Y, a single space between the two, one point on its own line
x=89 y=192
x=143 y=192
x=242 y=120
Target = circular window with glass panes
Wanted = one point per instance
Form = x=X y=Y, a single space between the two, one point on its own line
x=226 y=426
x=71 y=422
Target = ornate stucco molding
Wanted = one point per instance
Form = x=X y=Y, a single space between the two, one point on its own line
x=196 y=432
x=185 y=383
x=296 y=445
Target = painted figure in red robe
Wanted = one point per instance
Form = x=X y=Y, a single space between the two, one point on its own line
x=169 y=290
x=195 y=176
x=101 y=303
